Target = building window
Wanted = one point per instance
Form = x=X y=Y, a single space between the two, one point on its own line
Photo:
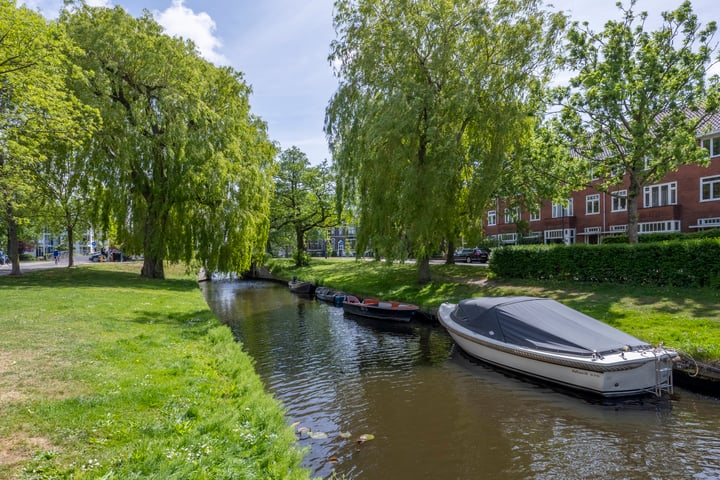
x=560 y=210
x=659 y=195
x=535 y=215
x=512 y=215
x=712 y=145
x=492 y=218
x=710 y=188
x=592 y=204
x=619 y=201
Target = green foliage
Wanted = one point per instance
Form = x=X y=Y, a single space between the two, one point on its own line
x=433 y=100
x=639 y=99
x=183 y=169
x=38 y=112
x=660 y=237
x=142 y=382
x=674 y=263
x=304 y=201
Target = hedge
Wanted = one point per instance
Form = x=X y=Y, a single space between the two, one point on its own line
x=687 y=263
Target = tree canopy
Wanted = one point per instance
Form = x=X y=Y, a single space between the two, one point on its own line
x=433 y=97
x=639 y=98
x=304 y=198
x=37 y=109
x=183 y=169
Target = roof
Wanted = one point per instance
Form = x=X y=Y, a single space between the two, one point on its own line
x=543 y=324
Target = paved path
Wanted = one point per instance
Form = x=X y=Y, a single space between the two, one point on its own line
x=44 y=264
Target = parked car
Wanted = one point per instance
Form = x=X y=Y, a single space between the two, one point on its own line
x=98 y=257
x=469 y=255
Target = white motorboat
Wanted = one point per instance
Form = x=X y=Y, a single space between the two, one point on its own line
x=545 y=339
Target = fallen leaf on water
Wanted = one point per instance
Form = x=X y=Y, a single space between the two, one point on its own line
x=318 y=435
x=332 y=459
x=365 y=437
x=345 y=434
x=303 y=430
x=294 y=424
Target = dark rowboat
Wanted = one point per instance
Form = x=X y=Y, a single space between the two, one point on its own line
x=300 y=287
x=379 y=309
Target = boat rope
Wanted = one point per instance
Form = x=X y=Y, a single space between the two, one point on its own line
x=690 y=357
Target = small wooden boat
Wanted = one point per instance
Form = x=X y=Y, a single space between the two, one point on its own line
x=379 y=309
x=330 y=295
x=300 y=287
x=545 y=339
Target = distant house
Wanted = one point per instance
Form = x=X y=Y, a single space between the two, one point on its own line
x=340 y=242
x=686 y=200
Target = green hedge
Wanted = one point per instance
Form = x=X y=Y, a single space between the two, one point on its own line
x=689 y=263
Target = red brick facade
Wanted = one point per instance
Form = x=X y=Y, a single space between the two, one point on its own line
x=685 y=201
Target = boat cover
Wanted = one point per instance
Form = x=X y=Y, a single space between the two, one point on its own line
x=543 y=324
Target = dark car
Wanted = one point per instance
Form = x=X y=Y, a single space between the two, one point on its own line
x=469 y=255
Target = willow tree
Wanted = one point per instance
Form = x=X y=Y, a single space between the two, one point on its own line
x=38 y=112
x=639 y=98
x=182 y=166
x=432 y=98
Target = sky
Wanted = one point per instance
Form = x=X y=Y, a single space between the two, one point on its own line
x=282 y=46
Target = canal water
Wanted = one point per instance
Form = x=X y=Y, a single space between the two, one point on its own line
x=434 y=413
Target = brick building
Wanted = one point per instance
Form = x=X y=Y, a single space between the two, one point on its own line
x=686 y=200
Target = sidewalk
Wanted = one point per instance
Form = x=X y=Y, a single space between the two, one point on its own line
x=29 y=266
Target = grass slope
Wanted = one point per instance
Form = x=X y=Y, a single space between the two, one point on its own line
x=107 y=375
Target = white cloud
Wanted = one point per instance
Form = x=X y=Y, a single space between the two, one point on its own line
x=180 y=21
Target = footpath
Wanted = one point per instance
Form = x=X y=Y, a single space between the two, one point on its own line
x=29 y=266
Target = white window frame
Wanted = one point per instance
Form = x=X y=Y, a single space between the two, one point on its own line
x=619 y=201
x=512 y=215
x=712 y=145
x=713 y=185
x=559 y=210
x=660 y=195
x=491 y=218
x=592 y=204
x=535 y=215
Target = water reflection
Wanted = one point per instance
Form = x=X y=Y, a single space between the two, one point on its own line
x=437 y=414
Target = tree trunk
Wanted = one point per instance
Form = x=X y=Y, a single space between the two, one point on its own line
x=423 y=270
x=632 y=206
x=13 y=243
x=153 y=245
x=300 y=246
x=71 y=242
x=450 y=252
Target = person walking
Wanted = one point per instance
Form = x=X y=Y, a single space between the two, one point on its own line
x=56 y=254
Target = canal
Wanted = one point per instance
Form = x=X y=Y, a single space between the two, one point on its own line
x=434 y=413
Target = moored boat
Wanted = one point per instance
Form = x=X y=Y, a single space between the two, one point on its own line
x=300 y=287
x=327 y=294
x=379 y=309
x=545 y=339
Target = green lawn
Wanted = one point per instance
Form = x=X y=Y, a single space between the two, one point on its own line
x=107 y=375
x=684 y=318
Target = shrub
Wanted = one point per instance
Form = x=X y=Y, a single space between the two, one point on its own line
x=689 y=263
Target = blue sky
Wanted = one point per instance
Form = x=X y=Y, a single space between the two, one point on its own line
x=282 y=46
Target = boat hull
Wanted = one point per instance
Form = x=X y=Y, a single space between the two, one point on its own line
x=631 y=373
x=302 y=288
x=381 y=310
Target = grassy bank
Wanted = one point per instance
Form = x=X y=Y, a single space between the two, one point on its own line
x=684 y=318
x=106 y=375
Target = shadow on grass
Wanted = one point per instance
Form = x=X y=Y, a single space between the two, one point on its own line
x=194 y=324
x=94 y=277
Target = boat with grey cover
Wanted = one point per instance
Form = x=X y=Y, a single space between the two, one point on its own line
x=545 y=339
